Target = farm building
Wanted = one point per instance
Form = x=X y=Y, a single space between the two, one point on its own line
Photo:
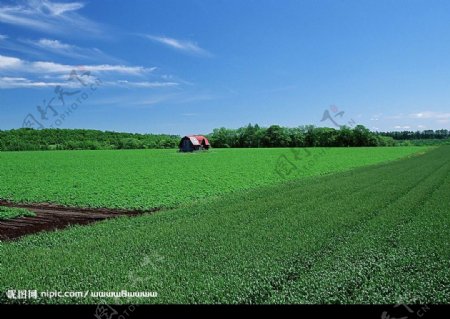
x=194 y=143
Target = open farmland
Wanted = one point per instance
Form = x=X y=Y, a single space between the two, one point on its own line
x=146 y=179
x=374 y=234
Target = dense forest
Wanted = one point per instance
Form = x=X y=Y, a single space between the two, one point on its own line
x=248 y=136
x=418 y=135
x=302 y=136
x=65 y=139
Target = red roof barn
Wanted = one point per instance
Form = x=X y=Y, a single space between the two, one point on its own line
x=194 y=143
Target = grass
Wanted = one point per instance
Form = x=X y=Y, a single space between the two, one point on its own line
x=11 y=213
x=375 y=235
x=143 y=179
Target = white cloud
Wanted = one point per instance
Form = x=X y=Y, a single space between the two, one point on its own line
x=19 y=15
x=181 y=45
x=44 y=15
x=13 y=45
x=376 y=117
x=429 y=118
x=145 y=84
x=7 y=62
x=19 y=82
x=51 y=67
x=53 y=44
x=60 y=48
x=402 y=127
x=430 y=115
x=18 y=73
x=14 y=64
x=55 y=8
x=3 y=37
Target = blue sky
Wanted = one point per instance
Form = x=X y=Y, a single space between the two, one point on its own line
x=188 y=66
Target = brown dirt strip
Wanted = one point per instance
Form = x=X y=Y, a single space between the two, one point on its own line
x=50 y=217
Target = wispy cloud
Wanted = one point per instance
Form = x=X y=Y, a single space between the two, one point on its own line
x=53 y=44
x=430 y=115
x=51 y=17
x=68 y=50
x=376 y=117
x=405 y=127
x=3 y=37
x=425 y=115
x=180 y=45
x=144 y=84
x=7 y=45
x=14 y=64
x=51 y=67
x=59 y=8
x=18 y=73
x=19 y=82
x=45 y=47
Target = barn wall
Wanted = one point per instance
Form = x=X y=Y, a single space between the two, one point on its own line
x=186 y=145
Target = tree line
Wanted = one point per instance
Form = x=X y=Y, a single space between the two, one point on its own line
x=27 y=139
x=302 y=136
x=418 y=135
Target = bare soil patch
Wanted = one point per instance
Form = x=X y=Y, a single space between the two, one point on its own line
x=50 y=217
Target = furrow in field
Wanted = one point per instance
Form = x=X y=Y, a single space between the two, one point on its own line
x=347 y=230
x=419 y=257
x=396 y=214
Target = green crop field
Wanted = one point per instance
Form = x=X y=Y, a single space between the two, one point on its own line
x=374 y=234
x=11 y=212
x=144 y=179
